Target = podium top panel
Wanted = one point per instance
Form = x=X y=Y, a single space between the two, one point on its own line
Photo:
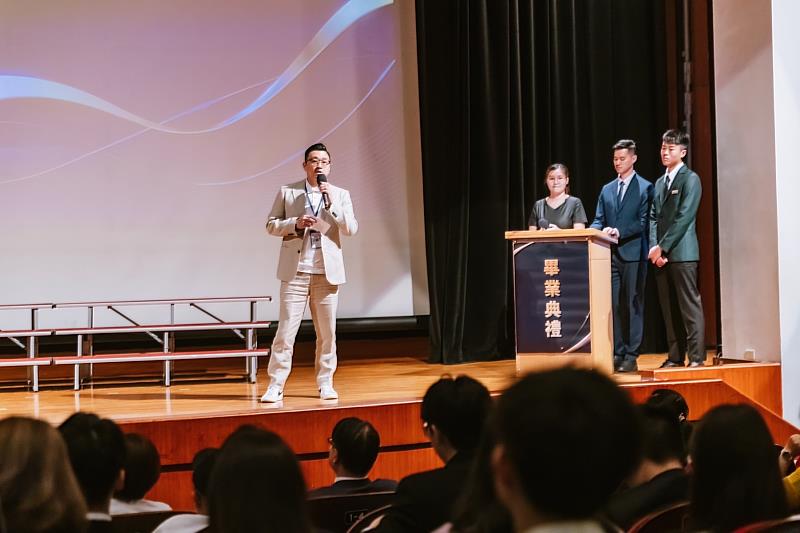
x=588 y=234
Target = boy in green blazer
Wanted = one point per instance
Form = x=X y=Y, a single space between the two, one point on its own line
x=675 y=252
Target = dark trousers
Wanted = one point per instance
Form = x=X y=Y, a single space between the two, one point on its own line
x=627 y=301
x=682 y=310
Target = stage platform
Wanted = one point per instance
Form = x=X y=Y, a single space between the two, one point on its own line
x=191 y=415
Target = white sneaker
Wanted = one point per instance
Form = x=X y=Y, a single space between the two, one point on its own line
x=326 y=392
x=273 y=394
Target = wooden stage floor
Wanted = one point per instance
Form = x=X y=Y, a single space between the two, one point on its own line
x=359 y=383
x=191 y=415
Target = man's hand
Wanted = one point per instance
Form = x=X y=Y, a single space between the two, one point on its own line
x=611 y=232
x=553 y=226
x=661 y=261
x=654 y=254
x=323 y=186
x=305 y=221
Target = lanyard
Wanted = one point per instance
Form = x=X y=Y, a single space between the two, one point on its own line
x=308 y=200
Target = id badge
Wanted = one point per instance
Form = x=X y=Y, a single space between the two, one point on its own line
x=316 y=240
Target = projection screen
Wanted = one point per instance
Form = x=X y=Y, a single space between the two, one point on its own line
x=142 y=144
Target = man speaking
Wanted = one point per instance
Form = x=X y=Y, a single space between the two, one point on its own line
x=310 y=216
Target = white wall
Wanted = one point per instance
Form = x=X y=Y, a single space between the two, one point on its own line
x=786 y=81
x=746 y=188
x=757 y=92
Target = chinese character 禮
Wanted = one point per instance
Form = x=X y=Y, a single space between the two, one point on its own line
x=552 y=328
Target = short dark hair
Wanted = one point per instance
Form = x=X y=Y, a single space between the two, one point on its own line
x=676 y=137
x=357 y=444
x=458 y=408
x=96 y=448
x=735 y=476
x=202 y=465
x=544 y=421
x=317 y=147
x=257 y=481
x=670 y=400
x=142 y=467
x=624 y=144
x=662 y=439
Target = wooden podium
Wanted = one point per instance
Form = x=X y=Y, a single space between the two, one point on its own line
x=562 y=299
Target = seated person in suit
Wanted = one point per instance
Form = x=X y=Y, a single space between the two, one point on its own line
x=96 y=449
x=354 y=446
x=660 y=479
x=454 y=414
x=202 y=464
x=565 y=440
x=558 y=210
x=142 y=470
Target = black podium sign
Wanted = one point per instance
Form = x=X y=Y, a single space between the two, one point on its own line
x=552 y=297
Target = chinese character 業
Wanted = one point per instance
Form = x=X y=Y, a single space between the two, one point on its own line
x=552 y=328
x=552 y=288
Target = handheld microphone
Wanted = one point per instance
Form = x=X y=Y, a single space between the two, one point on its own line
x=543 y=223
x=322 y=178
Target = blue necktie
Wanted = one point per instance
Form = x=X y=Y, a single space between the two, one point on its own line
x=620 y=188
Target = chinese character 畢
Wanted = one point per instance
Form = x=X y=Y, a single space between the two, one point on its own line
x=551 y=267
x=552 y=308
x=552 y=328
x=552 y=288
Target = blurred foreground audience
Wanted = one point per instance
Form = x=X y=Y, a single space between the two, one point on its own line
x=735 y=475
x=566 y=439
x=38 y=491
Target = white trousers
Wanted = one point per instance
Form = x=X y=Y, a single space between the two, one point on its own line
x=314 y=290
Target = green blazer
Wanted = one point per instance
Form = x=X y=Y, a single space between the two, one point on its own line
x=673 y=215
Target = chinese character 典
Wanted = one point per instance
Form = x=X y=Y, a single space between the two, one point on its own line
x=552 y=308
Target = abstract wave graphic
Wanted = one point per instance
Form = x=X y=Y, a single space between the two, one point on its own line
x=14 y=87
x=295 y=155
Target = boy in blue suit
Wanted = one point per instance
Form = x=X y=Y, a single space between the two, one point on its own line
x=622 y=212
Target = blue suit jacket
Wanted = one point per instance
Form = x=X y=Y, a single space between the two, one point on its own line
x=631 y=217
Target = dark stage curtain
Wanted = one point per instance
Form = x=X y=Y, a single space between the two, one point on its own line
x=506 y=88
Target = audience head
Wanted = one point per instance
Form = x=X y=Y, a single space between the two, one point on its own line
x=38 y=491
x=354 y=447
x=142 y=468
x=96 y=448
x=674 y=403
x=735 y=478
x=477 y=509
x=202 y=465
x=549 y=426
x=256 y=485
x=454 y=412
x=661 y=435
x=671 y=401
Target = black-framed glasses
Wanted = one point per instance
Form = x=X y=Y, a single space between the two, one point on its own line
x=318 y=162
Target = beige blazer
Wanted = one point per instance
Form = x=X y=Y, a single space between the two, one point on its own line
x=289 y=205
